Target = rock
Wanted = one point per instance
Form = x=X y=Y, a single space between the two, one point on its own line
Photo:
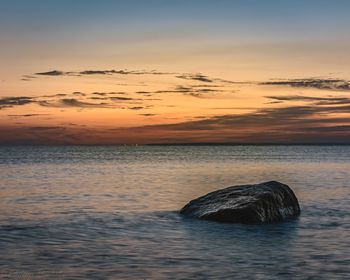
x=267 y=202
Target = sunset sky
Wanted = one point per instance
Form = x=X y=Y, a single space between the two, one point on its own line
x=158 y=71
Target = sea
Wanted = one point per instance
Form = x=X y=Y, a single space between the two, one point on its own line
x=111 y=212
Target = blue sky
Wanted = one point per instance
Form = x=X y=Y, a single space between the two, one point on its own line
x=276 y=19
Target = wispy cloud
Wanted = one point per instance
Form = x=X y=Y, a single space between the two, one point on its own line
x=290 y=124
x=186 y=76
x=204 y=78
x=275 y=125
x=194 y=91
x=195 y=77
x=326 y=84
x=79 y=100
x=8 y=102
x=102 y=72
x=52 y=73
x=121 y=98
x=27 y=115
x=136 y=108
x=73 y=102
x=148 y=115
x=70 y=102
x=314 y=100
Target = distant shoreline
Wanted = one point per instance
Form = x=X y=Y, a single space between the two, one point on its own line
x=250 y=144
x=174 y=144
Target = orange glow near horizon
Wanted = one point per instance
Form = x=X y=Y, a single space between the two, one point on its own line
x=174 y=74
x=144 y=107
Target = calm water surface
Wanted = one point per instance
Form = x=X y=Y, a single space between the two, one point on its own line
x=110 y=213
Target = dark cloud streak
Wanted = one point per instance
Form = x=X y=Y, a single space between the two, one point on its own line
x=195 y=77
x=325 y=84
x=314 y=100
x=8 y=102
x=102 y=72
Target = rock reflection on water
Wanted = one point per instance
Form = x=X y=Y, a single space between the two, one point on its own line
x=109 y=213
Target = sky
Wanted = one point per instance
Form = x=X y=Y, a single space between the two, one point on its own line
x=109 y=72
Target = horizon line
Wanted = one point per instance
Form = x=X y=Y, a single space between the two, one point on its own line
x=179 y=144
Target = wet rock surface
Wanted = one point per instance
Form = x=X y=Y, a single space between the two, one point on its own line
x=267 y=202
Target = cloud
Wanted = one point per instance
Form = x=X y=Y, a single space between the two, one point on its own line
x=55 y=95
x=98 y=98
x=76 y=103
x=102 y=72
x=40 y=135
x=294 y=124
x=117 y=93
x=27 y=115
x=73 y=102
x=136 y=108
x=205 y=86
x=290 y=124
x=78 y=93
x=123 y=72
x=52 y=73
x=29 y=77
x=75 y=99
x=274 y=102
x=8 y=102
x=148 y=115
x=194 y=91
x=186 y=76
x=314 y=100
x=326 y=84
x=203 y=78
x=123 y=98
x=195 y=77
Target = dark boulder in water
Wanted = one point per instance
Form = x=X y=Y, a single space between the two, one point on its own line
x=268 y=202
